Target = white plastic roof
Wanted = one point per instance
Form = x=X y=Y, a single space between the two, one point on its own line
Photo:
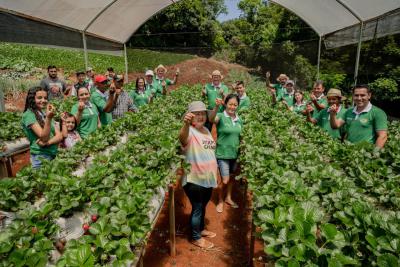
x=117 y=20
x=328 y=16
x=114 y=20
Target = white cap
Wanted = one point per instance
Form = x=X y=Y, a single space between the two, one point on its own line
x=149 y=72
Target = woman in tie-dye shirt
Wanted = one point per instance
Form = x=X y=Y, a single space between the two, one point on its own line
x=199 y=148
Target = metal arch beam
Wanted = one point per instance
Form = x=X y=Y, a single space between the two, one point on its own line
x=359 y=38
x=85 y=52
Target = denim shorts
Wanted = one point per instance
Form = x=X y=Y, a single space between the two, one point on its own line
x=36 y=160
x=227 y=167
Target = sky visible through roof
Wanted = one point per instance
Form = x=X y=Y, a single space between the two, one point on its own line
x=233 y=10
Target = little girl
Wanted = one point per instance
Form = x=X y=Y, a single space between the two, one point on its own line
x=69 y=132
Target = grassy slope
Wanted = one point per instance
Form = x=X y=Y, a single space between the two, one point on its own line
x=71 y=60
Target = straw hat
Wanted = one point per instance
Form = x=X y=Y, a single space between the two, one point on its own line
x=216 y=73
x=336 y=93
x=282 y=76
x=160 y=67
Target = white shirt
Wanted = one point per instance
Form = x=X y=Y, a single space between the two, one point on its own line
x=365 y=110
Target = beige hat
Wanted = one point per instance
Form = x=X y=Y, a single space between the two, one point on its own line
x=335 y=92
x=160 y=67
x=216 y=73
x=282 y=76
x=196 y=106
x=149 y=73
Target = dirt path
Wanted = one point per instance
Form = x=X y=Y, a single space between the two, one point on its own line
x=231 y=243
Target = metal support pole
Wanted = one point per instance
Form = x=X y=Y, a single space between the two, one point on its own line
x=319 y=56
x=2 y=102
x=171 y=208
x=85 y=50
x=126 y=63
x=358 y=53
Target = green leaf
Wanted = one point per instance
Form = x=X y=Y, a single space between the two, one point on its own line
x=329 y=231
x=388 y=260
x=81 y=256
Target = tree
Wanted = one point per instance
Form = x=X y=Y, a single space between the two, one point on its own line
x=183 y=24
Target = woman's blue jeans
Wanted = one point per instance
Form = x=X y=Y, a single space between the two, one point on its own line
x=199 y=196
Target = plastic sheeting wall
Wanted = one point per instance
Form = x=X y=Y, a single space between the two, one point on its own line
x=384 y=26
x=18 y=29
x=113 y=20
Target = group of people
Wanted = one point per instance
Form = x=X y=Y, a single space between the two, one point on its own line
x=359 y=122
x=101 y=99
x=213 y=159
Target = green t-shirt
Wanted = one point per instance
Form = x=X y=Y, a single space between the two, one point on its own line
x=158 y=82
x=323 y=121
x=140 y=99
x=321 y=101
x=228 y=132
x=279 y=89
x=100 y=102
x=298 y=109
x=89 y=119
x=244 y=103
x=365 y=126
x=155 y=88
x=289 y=98
x=213 y=93
x=28 y=119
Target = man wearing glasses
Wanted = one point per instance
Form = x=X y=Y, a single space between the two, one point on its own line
x=104 y=102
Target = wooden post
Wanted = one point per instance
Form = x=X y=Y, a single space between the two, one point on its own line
x=253 y=231
x=171 y=207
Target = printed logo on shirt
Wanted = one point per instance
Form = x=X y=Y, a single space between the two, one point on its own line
x=208 y=144
x=364 y=120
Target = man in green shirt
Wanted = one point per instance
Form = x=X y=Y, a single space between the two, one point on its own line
x=215 y=89
x=322 y=118
x=287 y=96
x=277 y=88
x=317 y=97
x=244 y=99
x=160 y=78
x=155 y=88
x=364 y=122
x=103 y=103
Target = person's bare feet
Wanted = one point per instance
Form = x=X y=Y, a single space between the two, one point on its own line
x=208 y=234
x=220 y=207
x=203 y=243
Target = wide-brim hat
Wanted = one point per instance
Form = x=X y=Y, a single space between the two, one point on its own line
x=336 y=93
x=216 y=73
x=282 y=76
x=196 y=106
x=160 y=67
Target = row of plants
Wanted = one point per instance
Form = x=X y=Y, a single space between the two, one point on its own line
x=116 y=188
x=309 y=208
x=25 y=57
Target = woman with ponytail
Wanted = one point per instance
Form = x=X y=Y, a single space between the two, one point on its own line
x=39 y=126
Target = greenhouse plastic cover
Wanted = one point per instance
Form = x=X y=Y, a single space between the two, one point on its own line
x=107 y=23
x=110 y=23
x=339 y=20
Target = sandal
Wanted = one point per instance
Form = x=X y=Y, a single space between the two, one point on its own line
x=203 y=243
x=220 y=207
x=208 y=234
